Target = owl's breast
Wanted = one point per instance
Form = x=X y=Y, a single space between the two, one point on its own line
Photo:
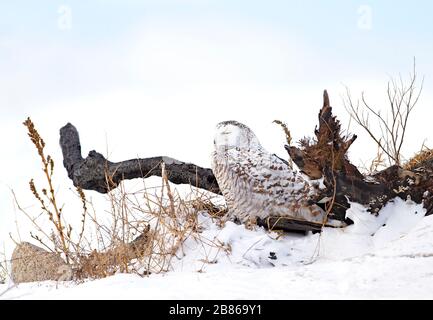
x=237 y=188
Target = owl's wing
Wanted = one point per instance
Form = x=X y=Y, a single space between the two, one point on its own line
x=269 y=175
x=273 y=181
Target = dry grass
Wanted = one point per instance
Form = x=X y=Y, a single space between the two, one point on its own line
x=148 y=230
x=286 y=131
x=3 y=269
x=141 y=233
x=62 y=235
x=424 y=155
x=379 y=162
x=288 y=135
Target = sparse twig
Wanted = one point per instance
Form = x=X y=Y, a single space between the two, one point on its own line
x=392 y=126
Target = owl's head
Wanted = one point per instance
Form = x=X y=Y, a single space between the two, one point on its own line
x=232 y=134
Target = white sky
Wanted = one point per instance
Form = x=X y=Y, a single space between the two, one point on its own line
x=154 y=78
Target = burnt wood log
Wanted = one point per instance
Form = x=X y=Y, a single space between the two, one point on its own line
x=98 y=174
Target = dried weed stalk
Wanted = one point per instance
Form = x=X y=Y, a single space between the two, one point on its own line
x=288 y=135
x=48 y=200
x=3 y=269
x=142 y=232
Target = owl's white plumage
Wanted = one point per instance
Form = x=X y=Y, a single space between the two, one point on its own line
x=256 y=183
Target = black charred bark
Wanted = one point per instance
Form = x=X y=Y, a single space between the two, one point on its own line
x=98 y=174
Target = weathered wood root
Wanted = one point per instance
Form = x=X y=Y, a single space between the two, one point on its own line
x=326 y=156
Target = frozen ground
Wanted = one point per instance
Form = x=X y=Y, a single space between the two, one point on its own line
x=377 y=258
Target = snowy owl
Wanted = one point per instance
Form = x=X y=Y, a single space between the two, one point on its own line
x=257 y=184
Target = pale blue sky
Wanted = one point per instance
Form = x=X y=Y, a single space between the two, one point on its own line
x=328 y=29
x=146 y=78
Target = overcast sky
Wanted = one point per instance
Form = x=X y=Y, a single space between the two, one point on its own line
x=146 y=78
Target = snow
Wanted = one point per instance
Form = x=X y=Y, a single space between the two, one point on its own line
x=384 y=257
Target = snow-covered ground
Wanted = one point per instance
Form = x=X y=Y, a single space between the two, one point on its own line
x=376 y=258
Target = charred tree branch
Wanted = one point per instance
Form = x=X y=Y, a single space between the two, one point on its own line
x=97 y=173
